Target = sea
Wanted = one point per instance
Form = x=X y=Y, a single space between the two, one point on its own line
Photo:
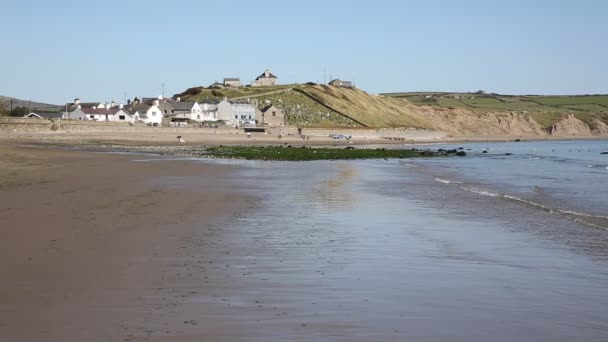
x=509 y=243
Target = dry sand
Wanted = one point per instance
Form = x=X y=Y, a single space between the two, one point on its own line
x=90 y=242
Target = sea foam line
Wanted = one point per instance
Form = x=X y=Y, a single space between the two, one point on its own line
x=446 y=181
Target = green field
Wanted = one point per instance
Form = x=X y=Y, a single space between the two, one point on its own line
x=546 y=110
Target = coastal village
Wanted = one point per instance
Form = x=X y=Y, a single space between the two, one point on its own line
x=173 y=112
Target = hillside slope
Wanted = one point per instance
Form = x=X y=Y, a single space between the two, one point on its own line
x=330 y=106
x=6 y=100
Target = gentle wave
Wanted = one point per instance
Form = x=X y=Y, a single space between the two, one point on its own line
x=480 y=192
x=576 y=216
x=569 y=214
x=446 y=181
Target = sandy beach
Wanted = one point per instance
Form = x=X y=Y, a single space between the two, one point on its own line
x=132 y=247
x=90 y=241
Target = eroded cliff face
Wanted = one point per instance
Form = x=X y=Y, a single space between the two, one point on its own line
x=457 y=122
x=599 y=127
x=461 y=123
x=570 y=126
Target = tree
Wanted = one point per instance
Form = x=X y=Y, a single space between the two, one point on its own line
x=3 y=110
x=19 y=111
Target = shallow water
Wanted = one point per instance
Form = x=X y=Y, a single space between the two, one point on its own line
x=381 y=250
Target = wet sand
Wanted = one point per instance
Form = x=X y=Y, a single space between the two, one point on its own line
x=91 y=241
x=266 y=251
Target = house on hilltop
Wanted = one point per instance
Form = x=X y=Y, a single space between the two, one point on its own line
x=216 y=84
x=264 y=80
x=232 y=82
x=340 y=83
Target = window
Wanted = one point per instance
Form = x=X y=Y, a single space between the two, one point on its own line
x=274 y=113
x=198 y=117
x=121 y=117
x=236 y=116
x=153 y=113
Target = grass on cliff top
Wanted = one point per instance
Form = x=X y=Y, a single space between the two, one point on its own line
x=303 y=153
x=546 y=110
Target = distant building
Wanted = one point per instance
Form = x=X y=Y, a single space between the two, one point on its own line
x=232 y=82
x=216 y=84
x=151 y=115
x=264 y=80
x=208 y=111
x=340 y=83
x=177 y=110
x=236 y=112
x=37 y=114
x=271 y=116
x=98 y=111
x=104 y=114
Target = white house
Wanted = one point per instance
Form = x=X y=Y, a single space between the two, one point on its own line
x=208 y=112
x=236 y=112
x=205 y=111
x=151 y=115
x=103 y=114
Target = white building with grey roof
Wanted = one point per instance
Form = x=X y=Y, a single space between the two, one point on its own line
x=236 y=113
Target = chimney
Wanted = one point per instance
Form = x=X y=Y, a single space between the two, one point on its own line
x=267 y=73
x=120 y=106
x=113 y=104
x=76 y=101
x=179 y=99
x=156 y=102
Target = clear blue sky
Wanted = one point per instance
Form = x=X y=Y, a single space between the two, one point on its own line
x=57 y=50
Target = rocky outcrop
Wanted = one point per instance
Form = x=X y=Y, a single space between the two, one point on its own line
x=570 y=126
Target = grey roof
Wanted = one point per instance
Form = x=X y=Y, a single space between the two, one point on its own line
x=231 y=79
x=47 y=115
x=263 y=75
x=100 y=111
x=142 y=109
x=181 y=105
x=72 y=106
x=267 y=108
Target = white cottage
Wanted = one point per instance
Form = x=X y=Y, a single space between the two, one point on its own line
x=236 y=112
x=151 y=115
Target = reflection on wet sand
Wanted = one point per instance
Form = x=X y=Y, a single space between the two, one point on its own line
x=335 y=192
x=372 y=254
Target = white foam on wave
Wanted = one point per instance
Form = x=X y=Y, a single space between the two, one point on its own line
x=576 y=213
x=446 y=181
x=569 y=214
x=480 y=192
